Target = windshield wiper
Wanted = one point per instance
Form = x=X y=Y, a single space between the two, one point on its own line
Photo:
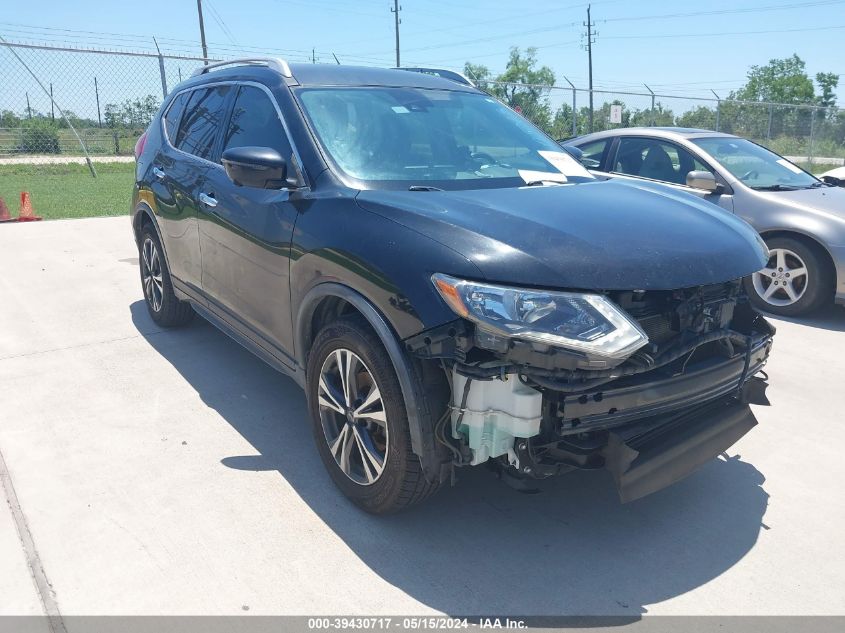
x=777 y=188
x=542 y=183
x=423 y=188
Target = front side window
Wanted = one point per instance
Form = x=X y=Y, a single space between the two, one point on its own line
x=754 y=165
x=594 y=153
x=203 y=117
x=656 y=160
x=255 y=122
x=396 y=137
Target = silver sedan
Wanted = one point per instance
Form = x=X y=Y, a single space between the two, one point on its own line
x=801 y=218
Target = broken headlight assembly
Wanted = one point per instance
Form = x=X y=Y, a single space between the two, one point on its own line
x=583 y=322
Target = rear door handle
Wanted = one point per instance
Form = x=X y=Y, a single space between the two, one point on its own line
x=208 y=200
x=158 y=173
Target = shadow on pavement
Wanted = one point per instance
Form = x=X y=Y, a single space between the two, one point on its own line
x=480 y=547
x=830 y=318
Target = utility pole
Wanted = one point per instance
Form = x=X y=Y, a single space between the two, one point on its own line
x=202 y=33
x=395 y=10
x=52 y=104
x=28 y=109
x=313 y=58
x=590 y=34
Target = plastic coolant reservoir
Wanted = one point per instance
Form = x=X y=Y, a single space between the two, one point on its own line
x=496 y=412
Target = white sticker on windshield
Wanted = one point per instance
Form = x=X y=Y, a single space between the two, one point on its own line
x=565 y=164
x=540 y=176
x=790 y=166
x=400 y=109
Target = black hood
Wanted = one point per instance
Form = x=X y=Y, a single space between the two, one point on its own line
x=602 y=235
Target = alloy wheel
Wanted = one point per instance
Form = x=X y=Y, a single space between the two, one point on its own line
x=784 y=280
x=151 y=274
x=353 y=416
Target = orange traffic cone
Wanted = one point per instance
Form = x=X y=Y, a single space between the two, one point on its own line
x=4 y=212
x=27 y=212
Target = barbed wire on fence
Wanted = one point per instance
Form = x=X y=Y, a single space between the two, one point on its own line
x=111 y=96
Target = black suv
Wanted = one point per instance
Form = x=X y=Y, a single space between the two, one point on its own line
x=448 y=286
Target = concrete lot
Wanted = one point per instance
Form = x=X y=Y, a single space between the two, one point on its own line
x=173 y=472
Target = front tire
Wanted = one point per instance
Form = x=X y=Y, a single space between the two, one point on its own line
x=359 y=420
x=162 y=304
x=796 y=280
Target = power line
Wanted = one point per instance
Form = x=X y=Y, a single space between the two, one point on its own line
x=757 y=9
x=721 y=33
x=221 y=22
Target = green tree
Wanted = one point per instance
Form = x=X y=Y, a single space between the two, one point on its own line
x=779 y=81
x=132 y=113
x=9 y=119
x=828 y=82
x=659 y=116
x=702 y=117
x=39 y=136
x=523 y=86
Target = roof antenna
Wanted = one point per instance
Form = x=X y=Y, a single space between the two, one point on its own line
x=336 y=59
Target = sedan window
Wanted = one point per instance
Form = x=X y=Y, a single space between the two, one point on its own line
x=655 y=160
x=593 y=157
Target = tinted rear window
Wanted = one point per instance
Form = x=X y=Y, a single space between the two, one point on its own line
x=203 y=117
x=174 y=113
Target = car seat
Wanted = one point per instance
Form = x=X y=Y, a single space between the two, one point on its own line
x=658 y=166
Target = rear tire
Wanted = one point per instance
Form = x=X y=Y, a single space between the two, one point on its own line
x=164 y=308
x=796 y=281
x=377 y=445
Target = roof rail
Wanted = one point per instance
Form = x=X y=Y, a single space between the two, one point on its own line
x=276 y=63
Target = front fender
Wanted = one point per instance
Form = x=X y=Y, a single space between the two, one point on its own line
x=418 y=406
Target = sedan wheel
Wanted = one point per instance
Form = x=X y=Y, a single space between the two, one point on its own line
x=353 y=417
x=784 y=280
x=796 y=281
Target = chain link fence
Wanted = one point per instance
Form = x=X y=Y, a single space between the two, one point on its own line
x=108 y=98
x=811 y=135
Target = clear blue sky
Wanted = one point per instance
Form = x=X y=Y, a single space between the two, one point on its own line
x=638 y=42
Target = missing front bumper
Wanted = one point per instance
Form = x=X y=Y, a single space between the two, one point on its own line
x=646 y=458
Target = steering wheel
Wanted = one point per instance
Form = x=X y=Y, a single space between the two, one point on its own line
x=750 y=174
x=486 y=158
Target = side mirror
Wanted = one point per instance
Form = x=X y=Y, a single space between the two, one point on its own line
x=702 y=180
x=833 y=180
x=573 y=151
x=260 y=167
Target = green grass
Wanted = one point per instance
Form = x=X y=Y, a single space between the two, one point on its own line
x=69 y=191
x=816 y=168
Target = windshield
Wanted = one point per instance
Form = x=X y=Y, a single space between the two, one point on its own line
x=401 y=137
x=754 y=165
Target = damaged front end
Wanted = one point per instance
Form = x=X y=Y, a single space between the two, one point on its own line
x=648 y=384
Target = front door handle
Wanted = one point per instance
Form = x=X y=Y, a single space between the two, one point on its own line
x=158 y=173
x=208 y=200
